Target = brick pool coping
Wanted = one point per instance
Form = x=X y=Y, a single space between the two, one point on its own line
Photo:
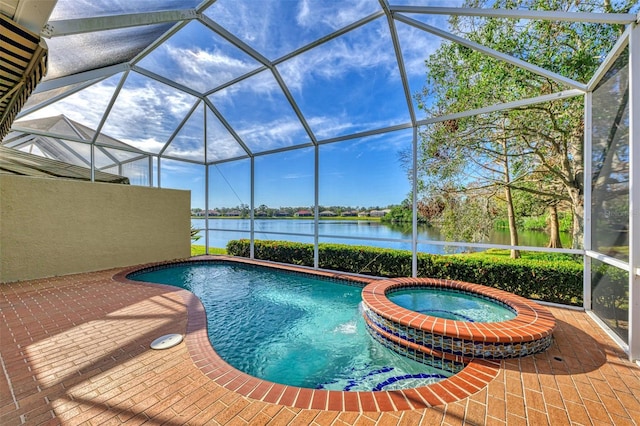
x=533 y=321
x=475 y=376
x=529 y=332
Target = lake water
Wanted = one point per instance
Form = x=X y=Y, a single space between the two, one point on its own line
x=354 y=232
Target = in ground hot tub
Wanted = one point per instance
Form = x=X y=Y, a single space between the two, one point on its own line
x=433 y=337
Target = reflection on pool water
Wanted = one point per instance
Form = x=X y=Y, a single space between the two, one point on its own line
x=293 y=329
x=451 y=304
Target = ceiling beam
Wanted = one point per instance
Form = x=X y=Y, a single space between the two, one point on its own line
x=492 y=52
x=67 y=27
x=82 y=77
x=611 y=57
x=399 y=59
x=329 y=37
x=164 y=80
x=503 y=107
x=231 y=38
x=546 y=15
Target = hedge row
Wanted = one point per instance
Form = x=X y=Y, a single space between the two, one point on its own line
x=551 y=281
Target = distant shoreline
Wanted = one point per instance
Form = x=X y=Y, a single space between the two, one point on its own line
x=367 y=218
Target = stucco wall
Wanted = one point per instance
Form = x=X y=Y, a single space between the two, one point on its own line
x=51 y=227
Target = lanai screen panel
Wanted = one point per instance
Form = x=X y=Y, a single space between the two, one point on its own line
x=277 y=28
x=198 y=58
x=86 y=106
x=146 y=113
x=188 y=142
x=260 y=113
x=349 y=84
x=183 y=175
x=69 y=9
x=116 y=46
x=229 y=195
x=346 y=178
x=221 y=143
x=610 y=163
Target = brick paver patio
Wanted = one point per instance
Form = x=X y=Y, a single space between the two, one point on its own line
x=75 y=350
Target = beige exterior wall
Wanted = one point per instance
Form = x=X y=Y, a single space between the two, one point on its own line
x=51 y=227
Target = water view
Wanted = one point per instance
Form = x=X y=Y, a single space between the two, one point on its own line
x=354 y=232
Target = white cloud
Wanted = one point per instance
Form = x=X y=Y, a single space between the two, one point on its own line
x=223 y=150
x=359 y=51
x=326 y=127
x=203 y=69
x=297 y=176
x=182 y=152
x=304 y=16
x=275 y=28
x=85 y=107
x=417 y=46
x=262 y=84
x=279 y=133
x=147 y=113
x=334 y=15
x=250 y=21
x=182 y=168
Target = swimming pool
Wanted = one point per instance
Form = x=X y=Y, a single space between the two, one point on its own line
x=474 y=376
x=294 y=329
x=451 y=304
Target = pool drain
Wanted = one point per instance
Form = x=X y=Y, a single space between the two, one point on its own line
x=166 y=341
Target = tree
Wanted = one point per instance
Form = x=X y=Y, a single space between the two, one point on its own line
x=476 y=159
x=467 y=217
x=509 y=150
x=244 y=210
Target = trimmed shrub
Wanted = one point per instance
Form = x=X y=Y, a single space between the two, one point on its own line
x=546 y=280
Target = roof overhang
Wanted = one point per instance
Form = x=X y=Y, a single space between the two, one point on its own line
x=23 y=64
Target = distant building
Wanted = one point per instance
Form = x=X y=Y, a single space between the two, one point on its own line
x=363 y=214
x=303 y=213
x=202 y=213
x=327 y=213
x=350 y=213
x=378 y=213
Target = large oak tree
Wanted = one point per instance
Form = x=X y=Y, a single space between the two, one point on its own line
x=537 y=148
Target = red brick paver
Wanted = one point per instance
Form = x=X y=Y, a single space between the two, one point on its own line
x=75 y=350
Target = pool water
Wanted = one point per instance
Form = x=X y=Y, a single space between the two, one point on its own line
x=293 y=329
x=449 y=304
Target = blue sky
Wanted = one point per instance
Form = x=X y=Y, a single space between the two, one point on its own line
x=353 y=173
x=347 y=85
x=240 y=67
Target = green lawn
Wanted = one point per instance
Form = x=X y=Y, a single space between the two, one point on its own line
x=531 y=255
x=198 y=250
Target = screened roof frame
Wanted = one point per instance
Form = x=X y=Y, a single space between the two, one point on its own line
x=25 y=138
x=392 y=13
